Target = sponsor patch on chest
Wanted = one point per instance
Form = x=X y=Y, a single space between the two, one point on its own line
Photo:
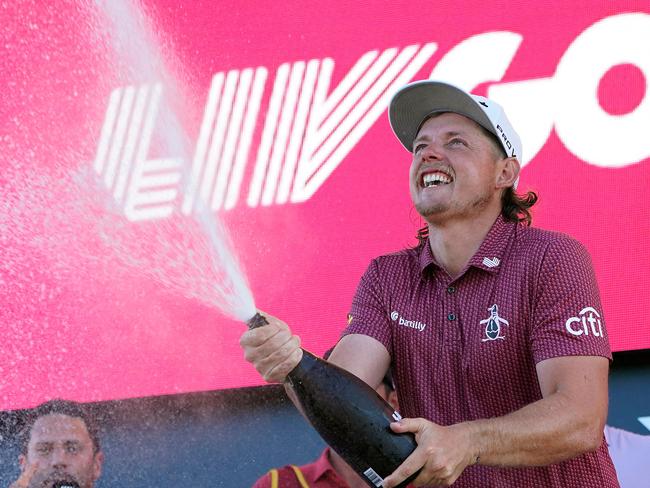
x=413 y=324
x=492 y=325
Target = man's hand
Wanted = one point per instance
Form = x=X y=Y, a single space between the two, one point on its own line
x=442 y=453
x=25 y=476
x=272 y=349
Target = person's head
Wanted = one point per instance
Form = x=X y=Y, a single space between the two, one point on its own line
x=466 y=154
x=60 y=442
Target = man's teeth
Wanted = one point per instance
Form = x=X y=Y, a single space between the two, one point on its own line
x=434 y=179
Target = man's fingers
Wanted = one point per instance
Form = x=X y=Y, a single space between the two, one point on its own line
x=251 y=340
x=25 y=476
x=272 y=349
x=408 y=425
x=410 y=466
x=279 y=371
x=282 y=360
x=256 y=337
x=416 y=460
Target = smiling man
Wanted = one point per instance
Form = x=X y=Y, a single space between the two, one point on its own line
x=505 y=382
x=60 y=448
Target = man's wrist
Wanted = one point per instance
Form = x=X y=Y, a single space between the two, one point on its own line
x=474 y=432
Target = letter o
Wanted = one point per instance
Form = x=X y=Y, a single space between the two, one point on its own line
x=587 y=130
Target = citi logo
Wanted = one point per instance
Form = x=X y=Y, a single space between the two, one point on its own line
x=414 y=324
x=587 y=322
x=311 y=125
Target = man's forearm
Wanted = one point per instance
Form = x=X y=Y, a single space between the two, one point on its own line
x=544 y=432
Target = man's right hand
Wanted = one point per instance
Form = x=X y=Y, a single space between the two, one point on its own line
x=272 y=349
x=26 y=476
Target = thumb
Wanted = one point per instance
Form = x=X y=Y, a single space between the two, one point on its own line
x=408 y=425
x=25 y=476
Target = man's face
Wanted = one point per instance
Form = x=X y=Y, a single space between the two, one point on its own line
x=454 y=169
x=60 y=448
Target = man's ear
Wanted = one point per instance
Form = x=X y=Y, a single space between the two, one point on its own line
x=509 y=173
x=97 y=465
x=22 y=462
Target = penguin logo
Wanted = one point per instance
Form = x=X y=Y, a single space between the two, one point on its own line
x=493 y=324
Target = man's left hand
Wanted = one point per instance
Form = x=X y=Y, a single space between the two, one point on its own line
x=442 y=453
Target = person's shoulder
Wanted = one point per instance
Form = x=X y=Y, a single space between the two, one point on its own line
x=405 y=262
x=529 y=234
x=407 y=255
x=535 y=239
x=285 y=477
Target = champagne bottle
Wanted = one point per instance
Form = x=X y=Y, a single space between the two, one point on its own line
x=349 y=415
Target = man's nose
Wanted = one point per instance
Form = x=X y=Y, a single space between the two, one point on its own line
x=59 y=458
x=431 y=152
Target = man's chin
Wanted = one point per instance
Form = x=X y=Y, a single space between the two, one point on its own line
x=428 y=212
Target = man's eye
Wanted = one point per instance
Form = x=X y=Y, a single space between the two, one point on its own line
x=418 y=148
x=456 y=142
x=72 y=449
x=43 y=450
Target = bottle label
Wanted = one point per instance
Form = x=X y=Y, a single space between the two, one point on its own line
x=374 y=478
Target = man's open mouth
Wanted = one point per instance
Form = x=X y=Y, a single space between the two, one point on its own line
x=437 y=178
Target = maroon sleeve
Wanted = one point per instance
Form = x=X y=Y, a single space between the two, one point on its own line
x=568 y=318
x=368 y=314
x=263 y=482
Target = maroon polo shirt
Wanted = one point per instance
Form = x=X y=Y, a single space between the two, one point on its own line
x=319 y=474
x=466 y=348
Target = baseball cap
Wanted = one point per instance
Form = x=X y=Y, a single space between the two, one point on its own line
x=417 y=101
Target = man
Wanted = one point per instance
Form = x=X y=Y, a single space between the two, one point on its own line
x=630 y=453
x=508 y=367
x=329 y=470
x=59 y=447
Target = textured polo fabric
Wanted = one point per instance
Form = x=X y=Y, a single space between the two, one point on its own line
x=466 y=348
x=319 y=474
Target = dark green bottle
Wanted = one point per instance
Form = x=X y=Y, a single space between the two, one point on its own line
x=349 y=415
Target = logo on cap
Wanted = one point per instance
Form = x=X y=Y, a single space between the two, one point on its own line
x=507 y=143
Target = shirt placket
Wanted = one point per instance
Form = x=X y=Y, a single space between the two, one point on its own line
x=451 y=312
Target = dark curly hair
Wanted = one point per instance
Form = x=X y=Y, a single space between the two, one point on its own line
x=62 y=407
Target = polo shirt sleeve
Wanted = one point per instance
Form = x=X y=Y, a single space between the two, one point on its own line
x=368 y=314
x=567 y=318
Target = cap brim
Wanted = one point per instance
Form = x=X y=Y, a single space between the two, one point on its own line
x=417 y=101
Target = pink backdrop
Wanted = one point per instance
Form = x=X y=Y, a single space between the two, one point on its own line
x=305 y=212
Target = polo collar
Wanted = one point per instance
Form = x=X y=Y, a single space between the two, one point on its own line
x=426 y=256
x=322 y=465
x=490 y=253
x=492 y=250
